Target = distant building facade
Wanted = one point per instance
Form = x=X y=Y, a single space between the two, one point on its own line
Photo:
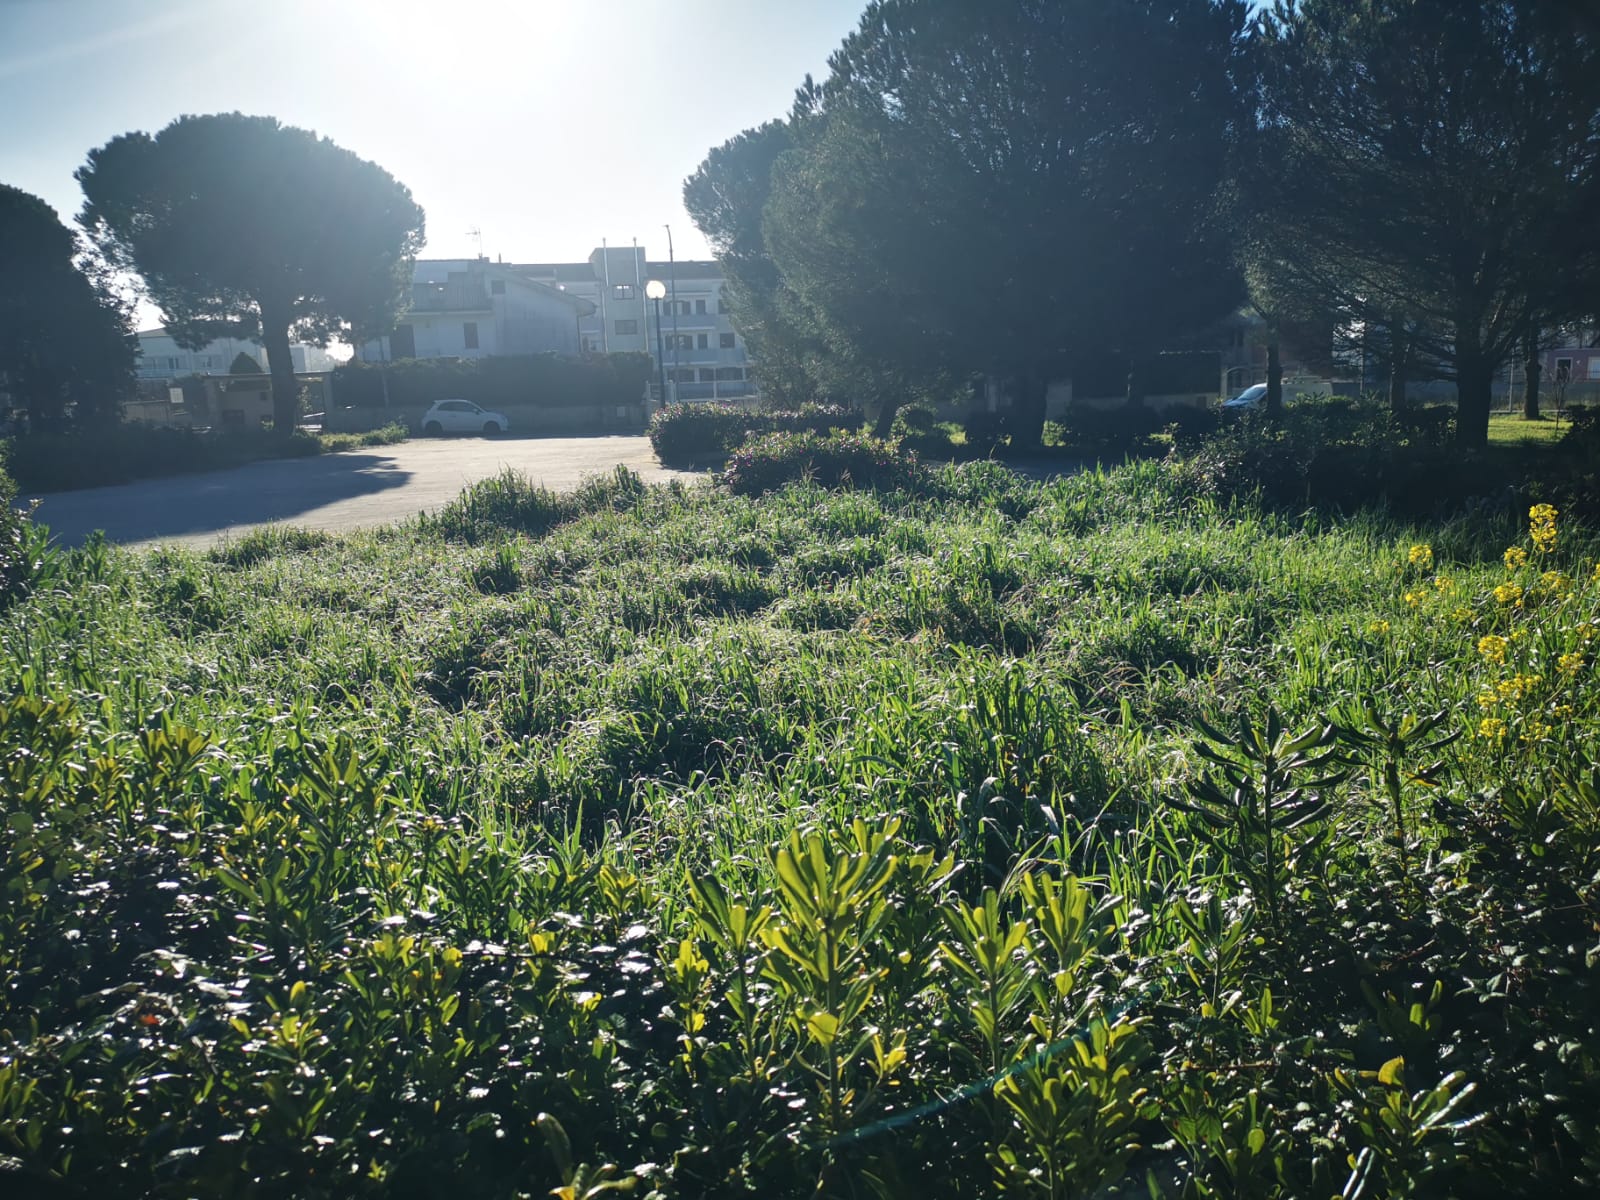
x=472 y=308
x=704 y=356
x=161 y=358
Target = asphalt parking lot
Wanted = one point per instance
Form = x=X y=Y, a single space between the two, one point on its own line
x=355 y=489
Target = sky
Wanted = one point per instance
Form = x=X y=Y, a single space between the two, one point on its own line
x=545 y=124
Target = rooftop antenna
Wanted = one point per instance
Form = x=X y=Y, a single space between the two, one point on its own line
x=477 y=234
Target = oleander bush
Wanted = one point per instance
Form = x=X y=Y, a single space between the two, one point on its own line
x=956 y=835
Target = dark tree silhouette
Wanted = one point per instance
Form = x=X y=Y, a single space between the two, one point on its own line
x=999 y=189
x=1435 y=171
x=64 y=338
x=241 y=226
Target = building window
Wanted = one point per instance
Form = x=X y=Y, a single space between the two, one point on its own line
x=681 y=341
x=1594 y=367
x=1563 y=370
x=683 y=308
x=626 y=326
x=683 y=375
x=700 y=307
x=588 y=346
x=702 y=342
x=172 y=364
x=725 y=341
x=707 y=374
x=469 y=334
x=622 y=291
x=497 y=287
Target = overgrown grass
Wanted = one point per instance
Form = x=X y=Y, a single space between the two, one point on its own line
x=388 y=435
x=713 y=837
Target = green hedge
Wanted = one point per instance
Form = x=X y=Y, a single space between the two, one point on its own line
x=705 y=434
x=499 y=382
x=99 y=456
x=769 y=461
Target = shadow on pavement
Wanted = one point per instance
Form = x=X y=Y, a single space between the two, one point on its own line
x=187 y=505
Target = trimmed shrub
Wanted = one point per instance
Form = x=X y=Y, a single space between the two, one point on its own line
x=704 y=434
x=812 y=418
x=701 y=435
x=768 y=462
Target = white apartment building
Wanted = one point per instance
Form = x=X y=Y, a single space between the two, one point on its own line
x=162 y=358
x=472 y=308
x=704 y=357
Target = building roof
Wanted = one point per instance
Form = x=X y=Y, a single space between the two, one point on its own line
x=464 y=288
x=685 y=268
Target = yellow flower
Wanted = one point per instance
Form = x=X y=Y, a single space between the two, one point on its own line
x=1516 y=556
x=1379 y=627
x=1492 y=727
x=1487 y=700
x=1414 y=598
x=1536 y=731
x=1596 y=575
x=1542 y=526
x=1443 y=584
x=1462 y=614
x=1516 y=687
x=1508 y=593
x=1421 y=556
x=1557 y=583
x=1492 y=647
x=1570 y=664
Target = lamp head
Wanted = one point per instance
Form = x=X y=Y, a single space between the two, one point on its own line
x=655 y=289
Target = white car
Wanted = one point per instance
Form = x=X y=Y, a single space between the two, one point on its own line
x=462 y=416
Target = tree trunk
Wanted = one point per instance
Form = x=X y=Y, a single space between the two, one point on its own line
x=1474 y=387
x=1274 y=378
x=280 y=364
x=1136 y=387
x=886 y=412
x=1027 y=412
x=1530 y=394
x=1399 y=371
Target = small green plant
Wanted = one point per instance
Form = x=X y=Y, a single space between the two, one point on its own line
x=1256 y=805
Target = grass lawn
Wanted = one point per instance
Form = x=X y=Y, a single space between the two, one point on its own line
x=726 y=840
x=1511 y=429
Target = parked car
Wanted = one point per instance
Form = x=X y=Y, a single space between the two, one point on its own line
x=1253 y=396
x=462 y=416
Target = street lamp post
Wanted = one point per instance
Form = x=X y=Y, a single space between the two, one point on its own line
x=655 y=290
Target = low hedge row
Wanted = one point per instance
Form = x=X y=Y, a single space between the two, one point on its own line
x=705 y=434
x=499 y=382
x=768 y=461
x=112 y=454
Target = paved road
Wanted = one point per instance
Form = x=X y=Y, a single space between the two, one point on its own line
x=335 y=492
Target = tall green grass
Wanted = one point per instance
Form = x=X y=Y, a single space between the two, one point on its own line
x=725 y=840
